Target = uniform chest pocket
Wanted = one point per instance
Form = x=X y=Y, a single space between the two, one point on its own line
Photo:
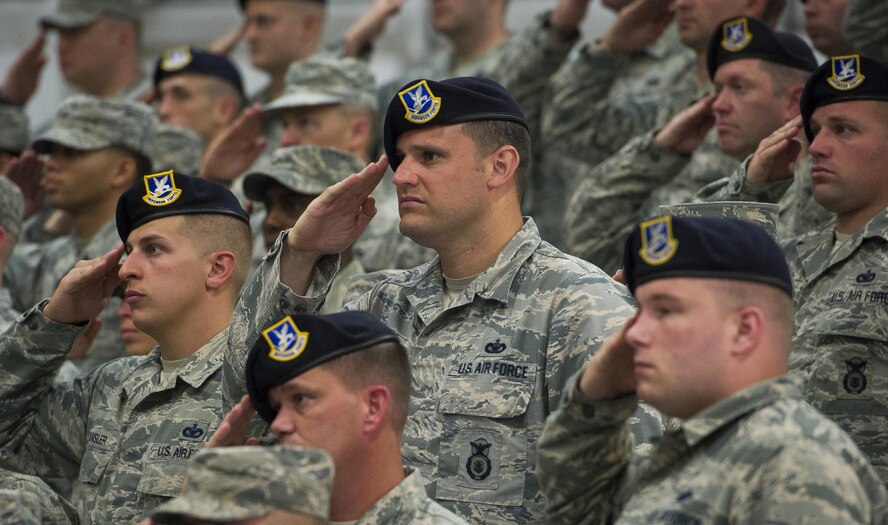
x=167 y=456
x=484 y=443
x=100 y=447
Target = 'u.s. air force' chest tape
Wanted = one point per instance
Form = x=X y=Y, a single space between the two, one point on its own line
x=704 y=247
x=843 y=79
x=424 y=103
x=299 y=342
x=746 y=37
x=166 y=194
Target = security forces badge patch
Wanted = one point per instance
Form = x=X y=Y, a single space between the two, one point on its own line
x=421 y=104
x=176 y=58
x=736 y=35
x=658 y=245
x=846 y=74
x=855 y=380
x=478 y=466
x=285 y=341
x=160 y=189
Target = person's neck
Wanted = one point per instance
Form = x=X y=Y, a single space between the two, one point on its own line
x=356 y=490
x=473 y=254
x=114 y=82
x=852 y=222
x=193 y=331
x=87 y=222
x=470 y=45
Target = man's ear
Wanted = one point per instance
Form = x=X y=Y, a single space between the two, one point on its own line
x=378 y=402
x=504 y=163
x=749 y=322
x=125 y=172
x=222 y=267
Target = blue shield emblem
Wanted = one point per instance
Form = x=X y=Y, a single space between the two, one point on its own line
x=657 y=243
x=160 y=189
x=846 y=73
x=176 y=58
x=736 y=35
x=421 y=104
x=285 y=341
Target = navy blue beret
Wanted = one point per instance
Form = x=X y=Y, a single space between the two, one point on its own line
x=704 y=247
x=184 y=59
x=166 y=194
x=299 y=342
x=747 y=37
x=841 y=79
x=422 y=102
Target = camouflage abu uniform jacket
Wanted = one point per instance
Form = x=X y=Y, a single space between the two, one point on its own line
x=408 y=504
x=798 y=214
x=49 y=507
x=759 y=456
x=34 y=272
x=121 y=435
x=840 y=345
x=866 y=27
x=487 y=370
x=629 y=187
x=8 y=313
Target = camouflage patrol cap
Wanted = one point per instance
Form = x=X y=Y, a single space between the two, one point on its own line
x=13 y=129
x=305 y=169
x=299 y=342
x=235 y=483
x=177 y=149
x=12 y=206
x=423 y=102
x=183 y=60
x=748 y=37
x=762 y=213
x=704 y=247
x=842 y=79
x=71 y=14
x=320 y=80
x=89 y=123
x=167 y=194
x=17 y=508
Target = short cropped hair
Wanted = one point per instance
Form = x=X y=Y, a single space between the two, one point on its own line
x=490 y=135
x=211 y=233
x=384 y=364
x=783 y=77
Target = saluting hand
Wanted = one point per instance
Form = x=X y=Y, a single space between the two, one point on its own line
x=232 y=432
x=773 y=159
x=610 y=373
x=637 y=26
x=686 y=130
x=84 y=291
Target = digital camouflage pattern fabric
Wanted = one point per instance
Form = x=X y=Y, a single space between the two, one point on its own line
x=866 y=27
x=408 y=504
x=12 y=206
x=236 y=483
x=840 y=346
x=177 y=149
x=120 y=432
x=630 y=186
x=759 y=456
x=35 y=497
x=488 y=369
x=14 y=129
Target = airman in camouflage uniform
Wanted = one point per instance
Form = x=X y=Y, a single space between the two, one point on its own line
x=237 y=483
x=177 y=149
x=671 y=165
x=85 y=143
x=709 y=346
x=491 y=352
x=866 y=26
x=12 y=206
x=125 y=431
x=839 y=271
x=36 y=497
x=287 y=184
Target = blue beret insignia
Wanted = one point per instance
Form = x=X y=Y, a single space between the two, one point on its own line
x=175 y=58
x=422 y=105
x=735 y=34
x=846 y=73
x=658 y=245
x=285 y=340
x=160 y=189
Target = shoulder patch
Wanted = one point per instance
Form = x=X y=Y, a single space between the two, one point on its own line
x=421 y=104
x=658 y=245
x=175 y=58
x=736 y=35
x=846 y=74
x=285 y=341
x=160 y=189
